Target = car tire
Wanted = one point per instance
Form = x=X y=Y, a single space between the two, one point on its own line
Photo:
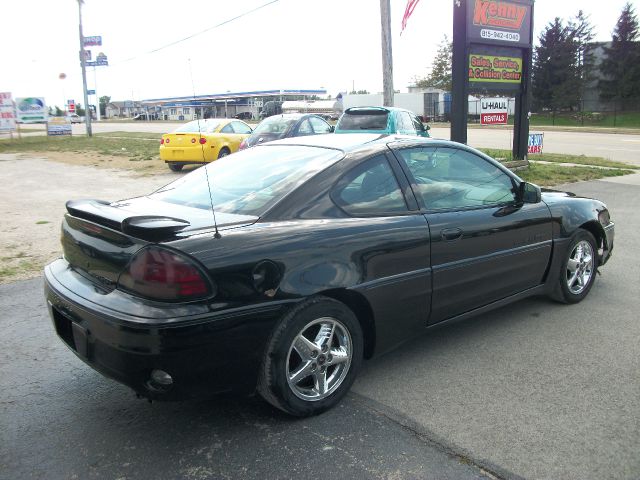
x=578 y=269
x=224 y=152
x=312 y=357
x=175 y=167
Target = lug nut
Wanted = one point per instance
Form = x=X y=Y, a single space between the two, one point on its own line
x=314 y=354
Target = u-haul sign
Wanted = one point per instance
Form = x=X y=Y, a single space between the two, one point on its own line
x=494 y=111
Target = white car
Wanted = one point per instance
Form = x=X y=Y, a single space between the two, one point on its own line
x=74 y=118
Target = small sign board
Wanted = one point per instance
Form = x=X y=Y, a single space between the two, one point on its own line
x=536 y=141
x=94 y=41
x=494 y=111
x=71 y=106
x=91 y=92
x=31 y=110
x=58 y=126
x=495 y=69
x=7 y=113
x=499 y=22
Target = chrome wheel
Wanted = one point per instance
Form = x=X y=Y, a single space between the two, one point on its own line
x=580 y=267
x=319 y=359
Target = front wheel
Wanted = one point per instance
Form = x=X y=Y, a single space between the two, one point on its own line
x=312 y=357
x=224 y=152
x=578 y=270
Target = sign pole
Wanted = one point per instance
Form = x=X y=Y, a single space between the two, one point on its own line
x=521 y=119
x=87 y=115
x=460 y=86
x=387 y=56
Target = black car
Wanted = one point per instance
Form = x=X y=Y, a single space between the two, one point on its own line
x=282 y=267
x=286 y=125
x=243 y=116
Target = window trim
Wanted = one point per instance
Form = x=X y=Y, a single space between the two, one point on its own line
x=414 y=185
x=347 y=178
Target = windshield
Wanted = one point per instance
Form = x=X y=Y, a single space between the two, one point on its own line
x=278 y=125
x=364 y=120
x=250 y=181
x=198 y=126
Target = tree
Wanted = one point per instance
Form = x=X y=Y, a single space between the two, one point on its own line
x=555 y=74
x=359 y=92
x=79 y=110
x=582 y=32
x=440 y=76
x=619 y=69
x=59 y=112
x=104 y=101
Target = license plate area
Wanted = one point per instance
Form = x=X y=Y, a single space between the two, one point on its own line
x=71 y=333
x=177 y=153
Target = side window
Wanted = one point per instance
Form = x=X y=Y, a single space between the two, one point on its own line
x=407 y=125
x=417 y=124
x=227 y=129
x=370 y=188
x=319 y=126
x=240 y=127
x=305 y=128
x=449 y=178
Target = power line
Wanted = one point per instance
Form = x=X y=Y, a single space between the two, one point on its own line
x=198 y=33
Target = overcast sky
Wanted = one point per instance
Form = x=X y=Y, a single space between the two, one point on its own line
x=296 y=44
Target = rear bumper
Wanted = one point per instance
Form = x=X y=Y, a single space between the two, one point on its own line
x=204 y=355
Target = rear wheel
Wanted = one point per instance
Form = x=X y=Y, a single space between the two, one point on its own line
x=175 y=167
x=224 y=152
x=312 y=357
x=578 y=270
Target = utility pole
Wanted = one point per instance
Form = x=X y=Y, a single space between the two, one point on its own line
x=87 y=110
x=387 y=56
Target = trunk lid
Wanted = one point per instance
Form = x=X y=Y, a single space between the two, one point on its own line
x=100 y=238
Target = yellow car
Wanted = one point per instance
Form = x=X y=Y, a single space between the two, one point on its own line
x=202 y=141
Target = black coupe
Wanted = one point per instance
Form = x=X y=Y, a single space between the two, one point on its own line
x=280 y=268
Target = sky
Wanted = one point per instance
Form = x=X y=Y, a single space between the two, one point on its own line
x=288 y=44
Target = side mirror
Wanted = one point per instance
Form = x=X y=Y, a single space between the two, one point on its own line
x=332 y=129
x=529 y=193
x=427 y=127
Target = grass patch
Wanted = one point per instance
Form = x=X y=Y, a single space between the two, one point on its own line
x=132 y=148
x=549 y=175
x=587 y=119
x=561 y=158
x=147 y=136
x=19 y=269
x=42 y=222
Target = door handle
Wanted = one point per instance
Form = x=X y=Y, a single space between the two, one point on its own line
x=450 y=234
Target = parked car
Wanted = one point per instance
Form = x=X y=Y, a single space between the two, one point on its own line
x=282 y=268
x=270 y=108
x=286 y=125
x=146 y=116
x=74 y=118
x=381 y=120
x=243 y=116
x=202 y=141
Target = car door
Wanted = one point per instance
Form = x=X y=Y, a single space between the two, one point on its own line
x=485 y=246
x=319 y=126
x=234 y=133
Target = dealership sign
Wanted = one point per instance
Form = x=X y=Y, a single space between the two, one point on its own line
x=95 y=41
x=7 y=113
x=31 y=110
x=58 y=126
x=494 y=111
x=499 y=22
x=71 y=106
x=495 y=69
x=536 y=141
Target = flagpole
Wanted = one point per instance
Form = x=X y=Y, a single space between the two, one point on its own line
x=387 y=55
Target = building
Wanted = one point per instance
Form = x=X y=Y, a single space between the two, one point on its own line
x=222 y=105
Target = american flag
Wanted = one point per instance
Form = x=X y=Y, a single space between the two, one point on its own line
x=411 y=5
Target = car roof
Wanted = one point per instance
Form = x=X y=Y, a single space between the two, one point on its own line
x=348 y=142
x=388 y=109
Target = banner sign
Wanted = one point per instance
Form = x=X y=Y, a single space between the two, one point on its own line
x=95 y=41
x=100 y=61
x=7 y=113
x=494 y=111
x=499 y=22
x=536 y=141
x=495 y=69
x=58 y=126
x=31 y=110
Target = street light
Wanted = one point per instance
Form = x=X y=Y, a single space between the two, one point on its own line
x=87 y=111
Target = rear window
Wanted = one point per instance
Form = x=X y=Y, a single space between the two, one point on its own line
x=198 y=126
x=249 y=182
x=364 y=120
x=276 y=125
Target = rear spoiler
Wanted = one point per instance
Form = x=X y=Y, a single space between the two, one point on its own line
x=146 y=227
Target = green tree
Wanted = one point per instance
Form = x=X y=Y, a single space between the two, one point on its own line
x=79 y=110
x=440 y=76
x=59 y=112
x=359 y=92
x=582 y=32
x=104 y=101
x=620 y=72
x=555 y=74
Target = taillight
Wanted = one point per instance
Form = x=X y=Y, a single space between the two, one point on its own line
x=161 y=141
x=166 y=141
x=203 y=140
x=164 y=275
x=193 y=140
x=243 y=144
